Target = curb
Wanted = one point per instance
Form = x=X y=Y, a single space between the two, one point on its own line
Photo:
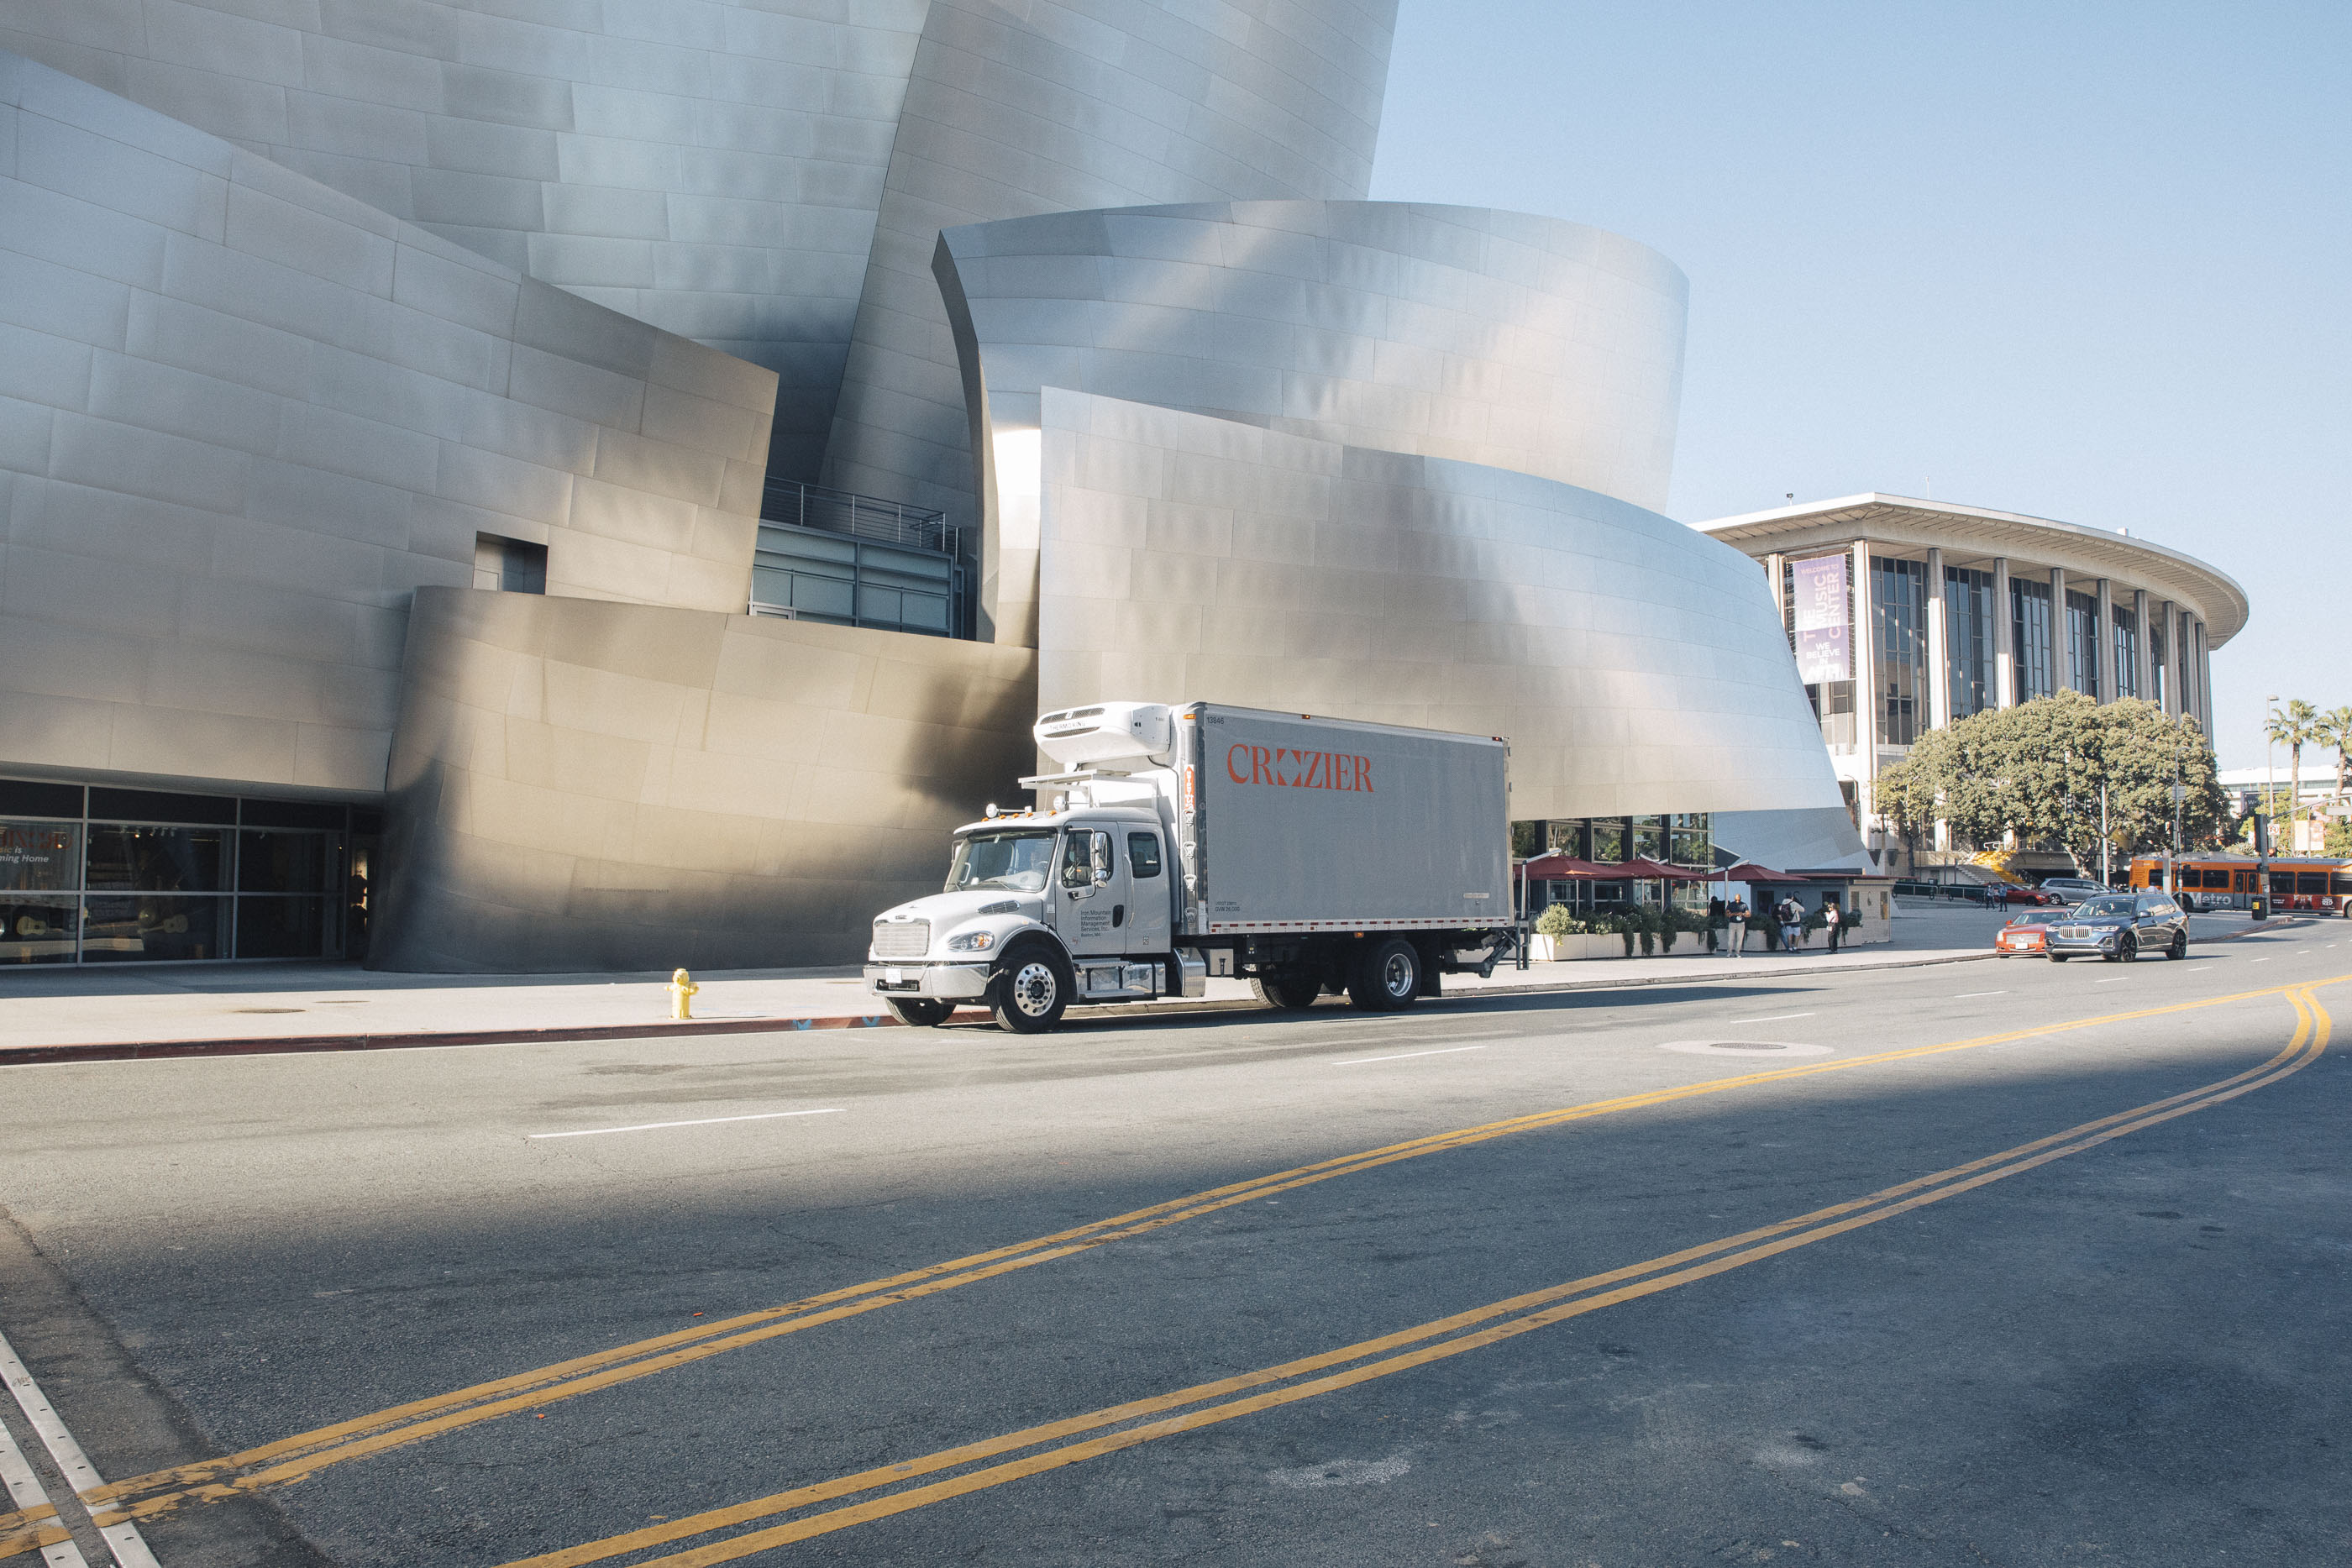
x=294 y=1045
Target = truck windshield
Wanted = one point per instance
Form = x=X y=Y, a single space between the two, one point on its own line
x=1017 y=861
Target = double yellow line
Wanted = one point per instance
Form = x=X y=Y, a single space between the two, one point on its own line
x=1062 y=1443
x=304 y=1454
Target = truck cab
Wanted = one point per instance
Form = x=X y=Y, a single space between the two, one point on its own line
x=1072 y=904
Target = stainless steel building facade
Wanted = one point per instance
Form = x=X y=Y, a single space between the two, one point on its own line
x=608 y=486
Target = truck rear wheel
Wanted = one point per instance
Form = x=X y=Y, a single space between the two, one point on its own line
x=1287 y=989
x=1386 y=977
x=1032 y=989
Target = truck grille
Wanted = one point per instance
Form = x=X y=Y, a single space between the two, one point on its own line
x=902 y=938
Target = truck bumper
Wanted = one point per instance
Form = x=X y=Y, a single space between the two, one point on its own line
x=946 y=982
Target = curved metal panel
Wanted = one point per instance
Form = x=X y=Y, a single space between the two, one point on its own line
x=1501 y=338
x=1634 y=664
x=591 y=786
x=1082 y=103
x=242 y=415
x=711 y=168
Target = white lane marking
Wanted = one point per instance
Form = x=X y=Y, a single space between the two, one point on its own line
x=2112 y=981
x=1449 y=1050
x=129 y=1547
x=1771 y=1017
x=24 y=1491
x=1964 y=995
x=2262 y=960
x=701 y=1121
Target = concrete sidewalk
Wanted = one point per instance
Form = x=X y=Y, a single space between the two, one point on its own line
x=197 y=1009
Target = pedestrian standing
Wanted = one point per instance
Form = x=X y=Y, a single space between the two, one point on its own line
x=1793 y=923
x=1833 y=924
x=1736 y=912
x=1714 y=925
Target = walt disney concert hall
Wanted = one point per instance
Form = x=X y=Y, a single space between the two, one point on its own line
x=552 y=488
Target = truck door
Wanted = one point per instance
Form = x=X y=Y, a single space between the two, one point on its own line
x=1148 y=878
x=1090 y=894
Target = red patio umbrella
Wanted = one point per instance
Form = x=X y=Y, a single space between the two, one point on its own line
x=1749 y=871
x=1558 y=868
x=1642 y=869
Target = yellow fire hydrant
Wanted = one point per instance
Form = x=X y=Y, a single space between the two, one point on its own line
x=681 y=995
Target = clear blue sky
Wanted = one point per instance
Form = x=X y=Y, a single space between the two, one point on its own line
x=2085 y=261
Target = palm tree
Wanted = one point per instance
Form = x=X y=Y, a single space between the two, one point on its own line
x=2294 y=727
x=2336 y=732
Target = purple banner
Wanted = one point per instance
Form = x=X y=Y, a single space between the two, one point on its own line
x=1823 y=621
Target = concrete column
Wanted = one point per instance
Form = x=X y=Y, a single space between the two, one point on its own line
x=2004 y=635
x=2143 y=682
x=2105 y=643
x=1775 y=568
x=2061 y=672
x=1864 y=641
x=1865 y=689
x=1939 y=645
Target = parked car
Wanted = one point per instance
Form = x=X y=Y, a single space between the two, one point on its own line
x=2008 y=892
x=2072 y=889
x=2025 y=932
x=2119 y=927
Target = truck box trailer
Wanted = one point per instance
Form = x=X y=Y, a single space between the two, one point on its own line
x=1304 y=854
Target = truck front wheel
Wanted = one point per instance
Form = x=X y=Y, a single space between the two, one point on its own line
x=1287 y=989
x=1387 y=978
x=920 y=1012
x=1033 y=988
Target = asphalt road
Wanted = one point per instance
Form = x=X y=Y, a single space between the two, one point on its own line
x=1658 y=1303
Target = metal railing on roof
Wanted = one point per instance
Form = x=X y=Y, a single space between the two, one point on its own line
x=807 y=506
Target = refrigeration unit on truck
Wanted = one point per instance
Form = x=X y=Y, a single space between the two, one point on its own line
x=1306 y=854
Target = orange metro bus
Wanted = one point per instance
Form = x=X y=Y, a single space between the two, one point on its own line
x=2227 y=881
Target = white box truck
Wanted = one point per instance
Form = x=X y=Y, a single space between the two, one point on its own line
x=1306 y=855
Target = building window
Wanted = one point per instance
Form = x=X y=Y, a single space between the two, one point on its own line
x=1899 y=603
x=2083 y=643
x=1968 y=631
x=2127 y=666
x=2029 y=639
x=509 y=565
x=2156 y=660
x=112 y=876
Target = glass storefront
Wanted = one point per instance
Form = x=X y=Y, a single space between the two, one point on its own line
x=1685 y=838
x=102 y=875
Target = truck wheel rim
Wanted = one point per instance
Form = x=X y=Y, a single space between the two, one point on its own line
x=1032 y=989
x=1396 y=975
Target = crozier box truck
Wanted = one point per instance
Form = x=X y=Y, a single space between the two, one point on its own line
x=1306 y=855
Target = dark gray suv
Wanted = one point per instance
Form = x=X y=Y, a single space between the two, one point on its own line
x=2119 y=927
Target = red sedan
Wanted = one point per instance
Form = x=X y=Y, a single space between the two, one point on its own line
x=2026 y=933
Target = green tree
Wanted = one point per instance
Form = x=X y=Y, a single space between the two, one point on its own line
x=2339 y=840
x=2036 y=770
x=2294 y=727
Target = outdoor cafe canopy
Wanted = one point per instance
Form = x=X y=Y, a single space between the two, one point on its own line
x=1751 y=872
x=1568 y=868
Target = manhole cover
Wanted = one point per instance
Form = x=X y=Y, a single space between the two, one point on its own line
x=264 y=1010
x=1743 y=1048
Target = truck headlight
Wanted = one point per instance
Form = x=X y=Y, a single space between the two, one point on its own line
x=972 y=942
